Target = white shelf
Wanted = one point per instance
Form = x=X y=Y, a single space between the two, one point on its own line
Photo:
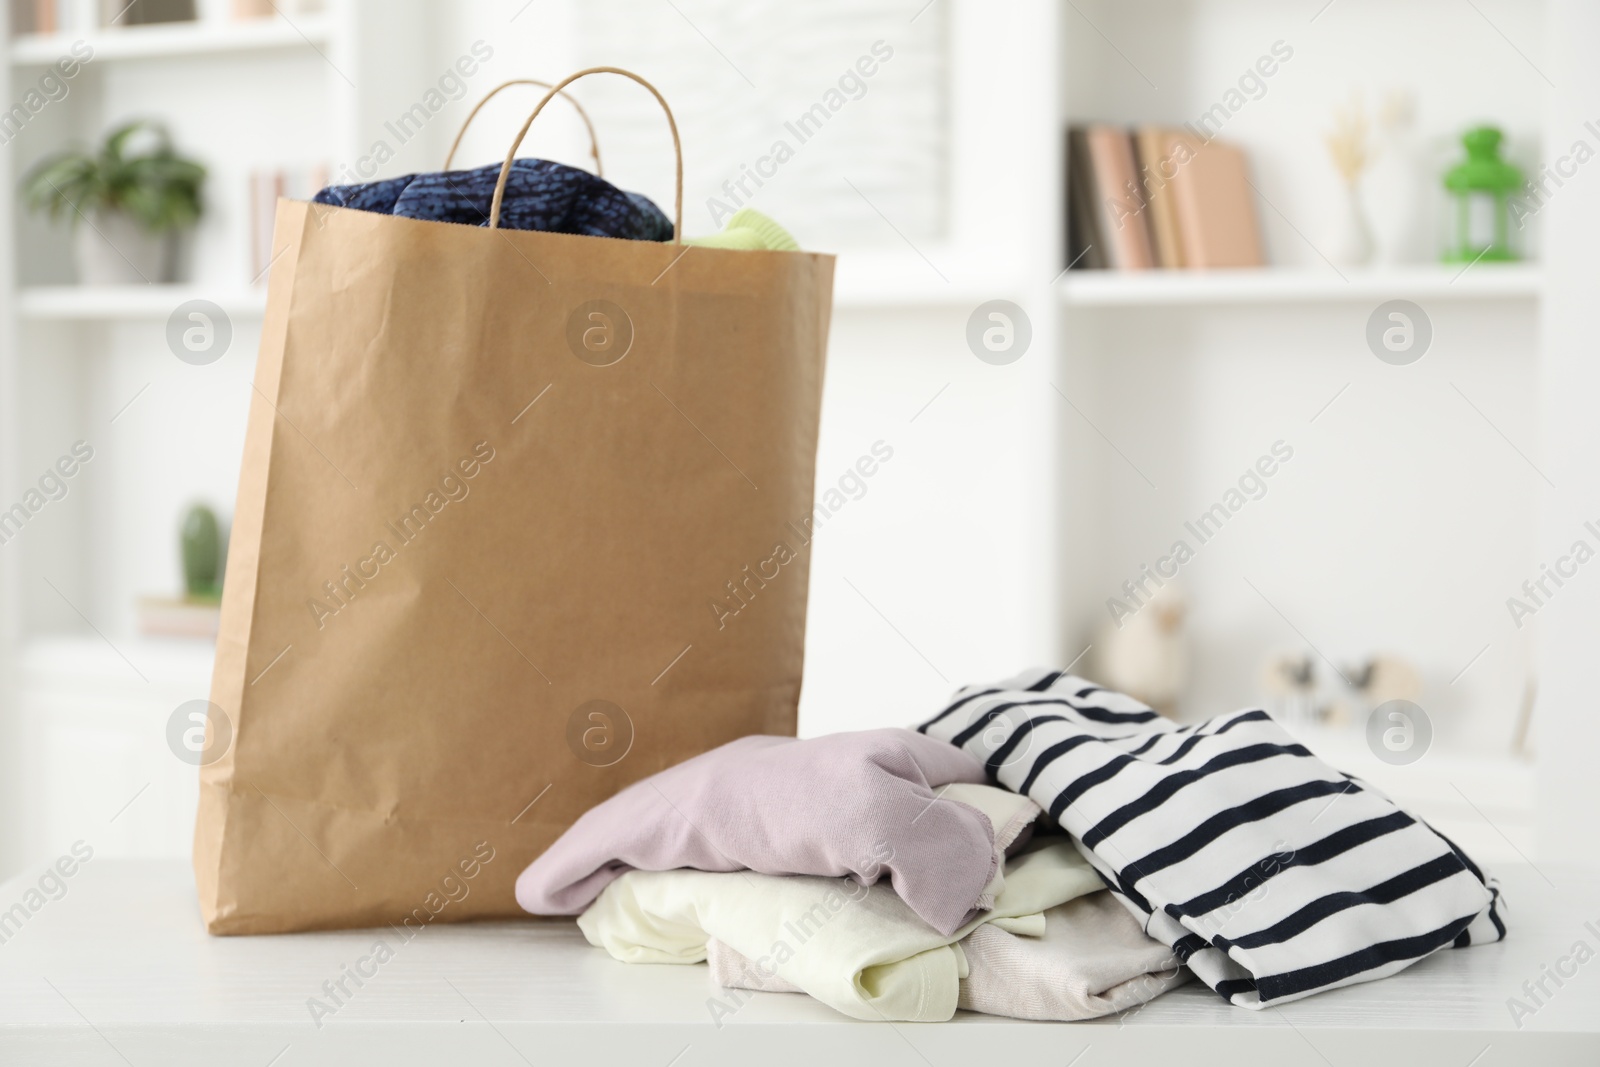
x=1156 y=288
x=169 y=40
x=104 y=302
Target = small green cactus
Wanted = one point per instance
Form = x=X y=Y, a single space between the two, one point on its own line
x=201 y=542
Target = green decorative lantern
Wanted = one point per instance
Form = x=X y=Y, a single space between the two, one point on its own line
x=1483 y=185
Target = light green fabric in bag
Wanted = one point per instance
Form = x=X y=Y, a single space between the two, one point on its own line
x=751 y=231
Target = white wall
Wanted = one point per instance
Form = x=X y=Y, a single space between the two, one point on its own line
x=1570 y=626
x=926 y=582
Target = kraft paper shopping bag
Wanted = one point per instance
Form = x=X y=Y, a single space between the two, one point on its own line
x=522 y=519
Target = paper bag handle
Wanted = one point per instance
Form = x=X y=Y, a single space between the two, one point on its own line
x=594 y=142
x=677 y=145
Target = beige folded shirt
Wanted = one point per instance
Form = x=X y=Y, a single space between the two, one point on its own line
x=1089 y=959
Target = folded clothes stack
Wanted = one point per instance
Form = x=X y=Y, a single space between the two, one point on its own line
x=872 y=870
x=900 y=875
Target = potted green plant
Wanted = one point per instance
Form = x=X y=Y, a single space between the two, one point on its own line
x=128 y=203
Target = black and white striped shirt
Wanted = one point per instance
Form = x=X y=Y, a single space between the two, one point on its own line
x=1272 y=875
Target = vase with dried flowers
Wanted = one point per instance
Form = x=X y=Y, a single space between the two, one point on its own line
x=1349 y=146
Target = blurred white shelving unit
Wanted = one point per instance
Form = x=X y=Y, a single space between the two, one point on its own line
x=84 y=700
x=1179 y=379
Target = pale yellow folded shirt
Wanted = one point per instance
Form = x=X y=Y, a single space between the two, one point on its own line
x=860 y=949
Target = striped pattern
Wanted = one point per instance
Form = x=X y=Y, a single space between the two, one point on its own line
x=1272 y=875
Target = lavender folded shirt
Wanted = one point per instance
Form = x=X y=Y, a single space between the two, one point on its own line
x=862 y=805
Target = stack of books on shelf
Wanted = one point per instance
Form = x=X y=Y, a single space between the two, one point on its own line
x=1157 y=197
x=77 y=16
x=266 y=187
x=43 y=16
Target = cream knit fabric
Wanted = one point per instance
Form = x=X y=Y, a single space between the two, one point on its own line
x=859 y=949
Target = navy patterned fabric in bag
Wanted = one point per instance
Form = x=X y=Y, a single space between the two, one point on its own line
x=540 y=195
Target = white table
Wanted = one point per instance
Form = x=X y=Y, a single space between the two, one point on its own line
x=119 y=971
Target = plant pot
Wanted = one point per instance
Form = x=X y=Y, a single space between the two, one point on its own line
x=111 y=249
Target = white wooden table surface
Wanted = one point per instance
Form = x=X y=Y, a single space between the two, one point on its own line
x=119 y=971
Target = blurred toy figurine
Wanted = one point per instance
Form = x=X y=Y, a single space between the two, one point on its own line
x=1291 y=685
x=1379 y=680
x=1148 y=656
